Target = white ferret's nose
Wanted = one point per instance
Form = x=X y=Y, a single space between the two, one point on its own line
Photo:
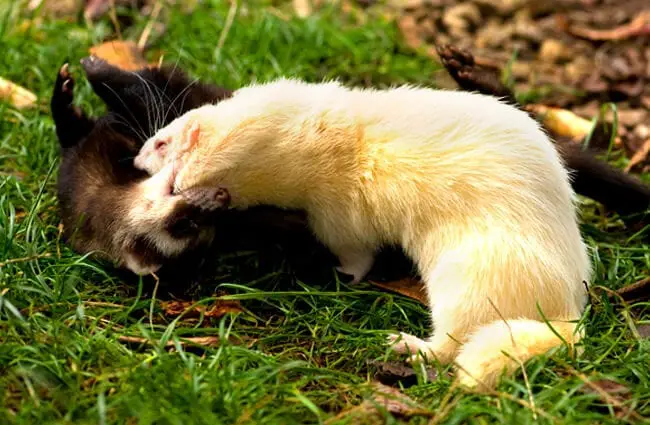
x=142 y=161
x=137 y=163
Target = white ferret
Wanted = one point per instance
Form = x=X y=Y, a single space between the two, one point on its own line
x=470 y=187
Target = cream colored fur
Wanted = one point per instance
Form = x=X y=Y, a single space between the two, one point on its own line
x=470 y=187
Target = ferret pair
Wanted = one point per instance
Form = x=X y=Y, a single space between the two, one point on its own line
x=470 y=187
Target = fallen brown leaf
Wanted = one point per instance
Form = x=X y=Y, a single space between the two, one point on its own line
x=18 y=175
x=640 y=25
x=383 y=398
x=408 y=287
x=610 y=392
x=123 y=54
x=643 y=330
x=18 y=96
x=204 y=341
x=394 y=402
x=218 y=309
x=640 y=157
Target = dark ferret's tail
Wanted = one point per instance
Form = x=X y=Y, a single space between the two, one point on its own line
x=592 y=178
x=610 y=186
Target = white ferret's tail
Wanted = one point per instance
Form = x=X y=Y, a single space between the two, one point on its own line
x=481 y=360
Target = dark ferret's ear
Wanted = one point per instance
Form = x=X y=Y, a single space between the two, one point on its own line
x=72 y=124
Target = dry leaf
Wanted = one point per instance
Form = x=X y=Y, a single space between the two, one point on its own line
x=56 y=8
x=408 y=287
x=640 y=157
x=384 y=398
x=610 y=392
x=394 y=402
x=204 y=341
x=609 y=386
x=640 y=25
x=18 y=96
x=643 y=330
x=123 y=54
x=562 y=122
x=219 y=309
x=409 y=29
x=302 y=8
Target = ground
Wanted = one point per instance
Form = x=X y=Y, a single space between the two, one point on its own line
x=80 y=345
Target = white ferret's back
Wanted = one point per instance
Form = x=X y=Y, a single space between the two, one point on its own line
x=471 y=188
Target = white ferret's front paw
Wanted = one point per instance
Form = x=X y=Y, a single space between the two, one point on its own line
x=404 y=343
x=356 y=265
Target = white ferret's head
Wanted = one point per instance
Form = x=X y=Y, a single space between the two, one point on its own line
x=155 y=153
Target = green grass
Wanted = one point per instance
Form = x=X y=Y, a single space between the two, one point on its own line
x=305 y=344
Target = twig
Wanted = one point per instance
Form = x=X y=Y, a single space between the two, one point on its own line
x=639 y=156
x=636 y=291
x=24 y=259
x=153 y=299
x=640 y=25
x=113 y=14
x=226 y=28
x=147 y=30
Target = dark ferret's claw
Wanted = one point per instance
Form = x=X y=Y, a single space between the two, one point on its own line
x=64 y=87
x=95 y=67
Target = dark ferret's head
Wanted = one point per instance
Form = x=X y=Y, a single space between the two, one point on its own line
x=103 y=199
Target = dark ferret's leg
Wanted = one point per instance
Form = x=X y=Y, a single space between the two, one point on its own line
x=593 y=178
x=72 y=124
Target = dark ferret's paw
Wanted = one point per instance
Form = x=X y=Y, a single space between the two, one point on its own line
x=459 y=63
x=455 y=56
x=207 y=198
x=64 y=86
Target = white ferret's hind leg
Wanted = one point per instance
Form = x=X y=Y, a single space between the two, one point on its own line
x=447 y=286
